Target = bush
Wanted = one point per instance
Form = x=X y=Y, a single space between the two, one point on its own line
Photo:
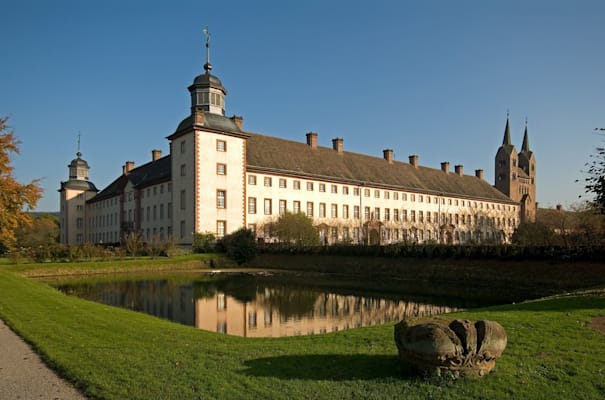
x=204 y=242
x=240 y=246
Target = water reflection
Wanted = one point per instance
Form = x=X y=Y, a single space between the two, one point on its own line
x=253 y=306
x=327 y=312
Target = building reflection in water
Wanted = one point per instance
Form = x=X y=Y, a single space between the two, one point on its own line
x=254 y=309
x=328 y=313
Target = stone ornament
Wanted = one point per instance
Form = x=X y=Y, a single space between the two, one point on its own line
x=457 y=346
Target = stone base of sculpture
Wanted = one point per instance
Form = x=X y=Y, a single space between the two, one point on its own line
x=455 y=346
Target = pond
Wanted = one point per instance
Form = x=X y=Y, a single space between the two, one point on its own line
x=260 y=304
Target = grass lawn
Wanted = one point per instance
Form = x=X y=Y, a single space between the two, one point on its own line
x=111 y=353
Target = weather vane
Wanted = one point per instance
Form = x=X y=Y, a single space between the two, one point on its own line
x=207 y=66
x=79 y=153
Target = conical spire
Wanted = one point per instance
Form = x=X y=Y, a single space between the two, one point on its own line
x=506 y=140
x=525 y=146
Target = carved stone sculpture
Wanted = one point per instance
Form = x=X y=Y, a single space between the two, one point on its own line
x=459 y=346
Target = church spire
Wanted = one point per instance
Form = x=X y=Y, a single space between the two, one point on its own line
x=506 y=140
x=525 y=146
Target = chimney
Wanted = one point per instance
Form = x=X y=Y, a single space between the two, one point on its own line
x=458 y=169
x=126 y=168
x=445 y=167
x=337 y=144
x=414 y=160
x=156 y=154
x=388 y=155
x=312 y=139
x=479 y=173
x=239 y=121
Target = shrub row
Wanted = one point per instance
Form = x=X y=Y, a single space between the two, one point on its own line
x=511 y=252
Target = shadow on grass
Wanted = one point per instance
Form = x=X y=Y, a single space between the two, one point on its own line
x=335 y=367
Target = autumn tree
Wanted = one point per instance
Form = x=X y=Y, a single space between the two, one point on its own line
x=15 y=199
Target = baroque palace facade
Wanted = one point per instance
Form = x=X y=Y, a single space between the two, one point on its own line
x=219 y=177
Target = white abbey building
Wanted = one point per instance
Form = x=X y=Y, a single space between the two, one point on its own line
x=219 y=177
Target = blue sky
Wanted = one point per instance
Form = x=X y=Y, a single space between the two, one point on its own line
x=433 y=78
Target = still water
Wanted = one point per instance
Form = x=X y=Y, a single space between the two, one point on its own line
x=258 y=304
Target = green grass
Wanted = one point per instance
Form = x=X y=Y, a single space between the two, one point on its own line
x=112 y=353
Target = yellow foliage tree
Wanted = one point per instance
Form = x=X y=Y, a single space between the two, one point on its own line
x=15 y=199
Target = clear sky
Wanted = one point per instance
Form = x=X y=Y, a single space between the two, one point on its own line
x=433 y=78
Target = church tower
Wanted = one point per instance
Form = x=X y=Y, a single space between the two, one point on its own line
x=515 y=174
x=527 y=165
x=73 y=196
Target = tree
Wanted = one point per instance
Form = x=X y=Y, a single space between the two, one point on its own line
x=15 y=199
x=295 y=229
x=44 y=231
x=595 y=182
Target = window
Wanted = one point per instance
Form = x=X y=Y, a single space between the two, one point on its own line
x=155 y=190
x=221 y=145
x=404 y=215
x=282 y=183
x=355 y=212
x=183 y=200
x=268 y=207
x=161 y=211
x=395 y=195
x=221 y=228
x=334 y=210
x=366 y=193
x=310 y=186
x=345 y=190
x=221 y=199
x=282 y=207
x=169 y=210
x=182 y=229
x=322 y=187
x=387 y=195
x=420 y=216
x=377 y=194
x=377 y=213
x=296 y=206
x=334 y=189
x=221 y=169
x=387 y=214
x=366 y=212
x=395 y=215
x=296 y=185
x=309 y=209
x=183 y=172
x=322 y=210
x=428 y=215
x=267 y=181
x=355 y=191
x=345 y=211
x=412 y=197
x=404 y=196
x=251 y=205
x=183 y=146
x=155 y=213
x=251 y=179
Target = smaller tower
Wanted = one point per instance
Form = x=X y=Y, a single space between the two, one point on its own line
x=207 y=91
x=527 y=165
x=73 y=196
